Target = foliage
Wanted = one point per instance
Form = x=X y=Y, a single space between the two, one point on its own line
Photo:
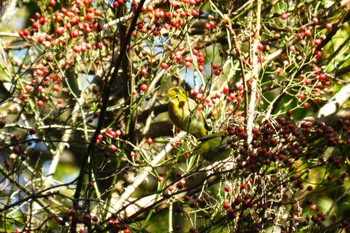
x=86 y=143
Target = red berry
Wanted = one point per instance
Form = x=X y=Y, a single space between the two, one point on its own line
x=39 y=72
x=37 y=15
x=298 y=35
x=313 y=207
x=27 y=87
x=285 y=16
x=64 y=11
x=100 y=137
x=73 y=10
x=143 y=87
x=330 y=177
x=44 y=20
x=118 y=133
x=261 y=47
x=112 y=148
x=160 y=179
x=214 y=66
x=302 y=28
x=318 y=53
x=207 y=26
x=97 y=12
x=40 y=103
x=150 y=15
x=59 y=30
x=301 y=96
x=317 y=42
x=56 y=87
x=7 y=163
x=26 y=32
x=32 y=131
x=329 y=26
x=143 y=71
x=226 y=205
x=200 y=60
x=179 y=174
x=74 y=34
x=292 y=48
x=217 y=72
x=58 y=18
x=306 y=105
x=35 y=25
x=187 y=64
x=164 y=65
x=21 y=34
x=159 y=14
x=225 y=90
x=52 y=3
x=181 y=184
x=149 y=141
x=316 y=69
x=22 y=96
x=100 y=45
x=76 y=48
x=48 y=37
x=40 y=39
x=194 y=13
x=83 y=47
x=308 y=81
x=307 y=33
x=88 y=46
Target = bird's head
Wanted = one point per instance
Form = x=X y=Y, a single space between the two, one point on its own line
x=177 y=93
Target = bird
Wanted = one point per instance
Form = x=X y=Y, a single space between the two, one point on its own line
x=184 y=114
x=214 y=147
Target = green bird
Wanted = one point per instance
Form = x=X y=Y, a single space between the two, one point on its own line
x=214 y=147
x=184 y=114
